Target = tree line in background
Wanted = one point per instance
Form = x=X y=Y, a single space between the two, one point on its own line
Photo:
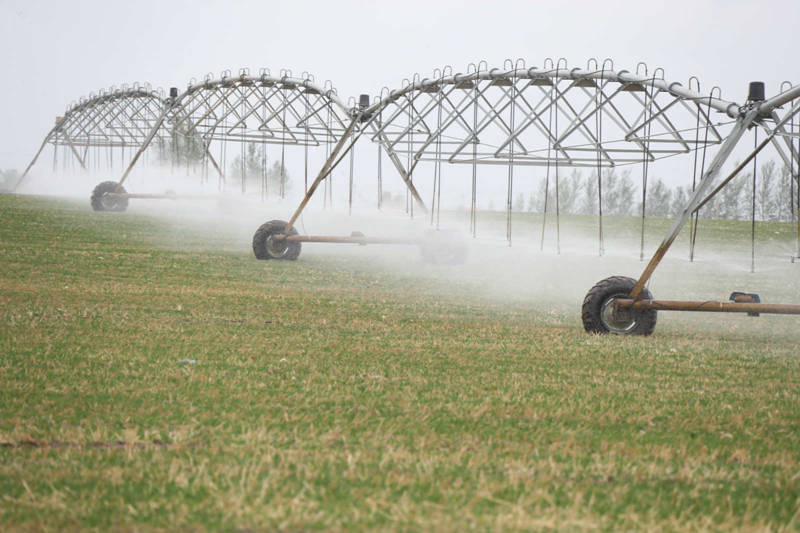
x=577 y=194
x=8 y=179
x=188 y=151
x=274 y=177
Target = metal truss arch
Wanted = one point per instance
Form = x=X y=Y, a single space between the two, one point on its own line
x=118 y=117
x=253 y=109
x=114 y=118
x=264 y=109
x=551 y=115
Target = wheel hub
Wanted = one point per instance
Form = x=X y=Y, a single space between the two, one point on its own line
x=109 y=203
x=617 y=319
x=276 y=247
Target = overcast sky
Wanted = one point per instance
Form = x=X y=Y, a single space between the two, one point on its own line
x=54 y=52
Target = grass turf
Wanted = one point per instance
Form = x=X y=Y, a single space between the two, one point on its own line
x=327 y=396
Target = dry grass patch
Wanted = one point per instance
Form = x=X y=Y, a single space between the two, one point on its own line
x=325 y=395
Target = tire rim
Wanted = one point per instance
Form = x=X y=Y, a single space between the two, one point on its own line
x=276 y=248
x=620 y=321
x=108 y=202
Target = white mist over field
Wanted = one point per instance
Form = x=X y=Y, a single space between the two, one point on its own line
x=528 y=273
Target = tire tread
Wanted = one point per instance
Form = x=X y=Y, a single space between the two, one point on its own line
x=121 y=204
x=271 y=228
x=604 y=289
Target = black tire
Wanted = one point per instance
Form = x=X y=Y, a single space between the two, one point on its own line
x=443 y=248
x=264 y=247
x=102 y=202
x=599 y=316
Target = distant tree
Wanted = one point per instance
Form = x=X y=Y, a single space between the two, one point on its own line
x=680 y=199
x=519 y=203
x=569 y=191
x=730 y=202
x=786 y=201
x=589 y=203
x=713 y=208
x=734 y=198
x=659 y=199
x=626 y=193
x=618 y=193
x=278 y=180
x=8 y=179
x=532 y=203
x=180 y=149
x=250 y=174
x=767 y=198
x=545 y=196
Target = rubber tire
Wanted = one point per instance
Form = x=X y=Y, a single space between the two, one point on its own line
x=443 y=248
x=100 y=204
x=262 y=234
x=606 y=289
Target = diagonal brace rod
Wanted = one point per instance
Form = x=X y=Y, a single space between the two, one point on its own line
x=735 y=171
x=742 y=123
x=323 y=173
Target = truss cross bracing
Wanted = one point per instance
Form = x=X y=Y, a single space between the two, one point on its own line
x=264 y=109
x=594 y=117
x=546 y=116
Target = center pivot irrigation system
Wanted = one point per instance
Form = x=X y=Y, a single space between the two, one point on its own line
x=513 y=117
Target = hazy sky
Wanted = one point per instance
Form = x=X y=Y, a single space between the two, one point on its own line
x=54 y=52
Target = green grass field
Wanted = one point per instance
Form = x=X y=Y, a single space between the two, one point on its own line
x=330 y=394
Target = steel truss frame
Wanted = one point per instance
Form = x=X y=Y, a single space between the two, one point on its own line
x=276 y=110
x=116 y=118
x=430 y=109
x=555 y=116
x=493 y=116
x=762 y=114
x=266 y=109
